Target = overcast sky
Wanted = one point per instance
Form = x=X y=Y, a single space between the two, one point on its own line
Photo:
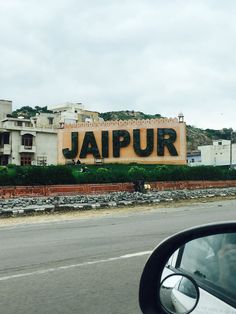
x=155 y=56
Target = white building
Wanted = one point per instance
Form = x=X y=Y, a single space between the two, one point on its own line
x=47 y=120
x=23 y=142
x=34 y=141
x=68 y=112
x=221 y=153
x=72 y=113
x=5 y=108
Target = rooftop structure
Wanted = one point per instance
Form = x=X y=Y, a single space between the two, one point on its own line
x=67 y=106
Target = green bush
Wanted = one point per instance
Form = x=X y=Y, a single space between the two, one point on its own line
x=84 y=177
x=103 y=175
x=11 y=166
x=22 y=176
x=232 y=174
x=162 y=173
x=207 y=173
x=137 y=173
x=3 y=170
x=59 y=175
x=120 y=175
x=5 y=178
x=36 y=175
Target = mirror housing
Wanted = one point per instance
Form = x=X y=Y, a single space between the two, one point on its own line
x=149 y=298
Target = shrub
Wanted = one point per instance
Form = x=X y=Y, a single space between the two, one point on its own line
x=207 y=173
x=85 y=177
x=59 y=175
x=36 y=175
x=22 y=176
x=103 y=175
x=137 y=173
x=232 y=174
x=3 y=170
x=5 y=178
x=179 y=173
x=11 y=166
x=162 y=173
x=120 y=175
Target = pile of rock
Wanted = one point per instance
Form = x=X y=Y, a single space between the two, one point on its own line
x=28 y=205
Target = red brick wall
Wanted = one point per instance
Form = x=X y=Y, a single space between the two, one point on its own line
x=51 y=190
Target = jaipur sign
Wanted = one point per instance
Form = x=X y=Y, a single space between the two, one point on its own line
x=160 y=141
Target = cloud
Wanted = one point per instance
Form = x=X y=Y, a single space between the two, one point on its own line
x=153 y=56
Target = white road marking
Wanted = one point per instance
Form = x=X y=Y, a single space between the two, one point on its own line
x=136 y=254
x=50 y=270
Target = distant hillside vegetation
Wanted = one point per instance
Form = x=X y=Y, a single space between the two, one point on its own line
x=127 y=115
x=28 y=112
x=195 y=136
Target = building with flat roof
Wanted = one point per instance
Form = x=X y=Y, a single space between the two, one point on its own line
x=5 y=108
x=34 y=141
x=22 y=142
x=220 y=153
x=72 y=113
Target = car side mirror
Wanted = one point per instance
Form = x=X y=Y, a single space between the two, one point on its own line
x=189 y=268
x=179 y=294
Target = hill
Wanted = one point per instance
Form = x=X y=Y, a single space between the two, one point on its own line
x=195 y=136
x=127 y=115
x=28 y=112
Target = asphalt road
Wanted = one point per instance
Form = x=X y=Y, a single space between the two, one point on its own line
x=90 y=265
